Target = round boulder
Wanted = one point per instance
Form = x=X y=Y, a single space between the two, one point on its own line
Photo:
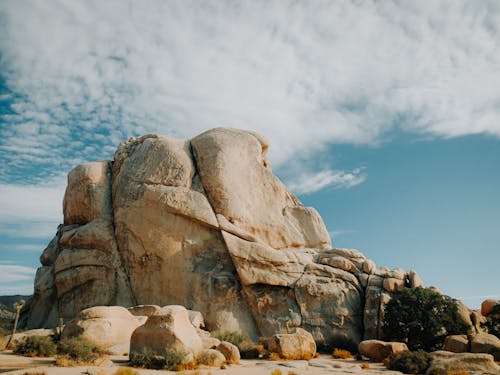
x=298 y=345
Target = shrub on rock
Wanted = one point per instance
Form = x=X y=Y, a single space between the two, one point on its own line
x=422 y=318
x=79 y=349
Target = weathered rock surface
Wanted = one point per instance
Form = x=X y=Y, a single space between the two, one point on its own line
x=297 y=345
x=487 y=306
x=486 y=343
x=106 y=326
x=211 y=357
x=443 y=362
x=377 y=350
x=204 y=223
x=167 y=328
x=230 y=351
x=456 y=344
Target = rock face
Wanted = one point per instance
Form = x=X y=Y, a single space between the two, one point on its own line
x=205 y=224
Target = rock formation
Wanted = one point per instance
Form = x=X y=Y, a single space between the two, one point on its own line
x=206 y=224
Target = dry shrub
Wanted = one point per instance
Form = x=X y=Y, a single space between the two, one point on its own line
x=276 y=371
x=126 y=371
x=36 y=346
x=365 y=366
x=78 y=350
x=274 y=357
x=234 y=337
x=170 y=360
x=458 y=372
x=408 y=362
x=35 y=373
x=250 y=350
x=341 y=353
x=292 y=373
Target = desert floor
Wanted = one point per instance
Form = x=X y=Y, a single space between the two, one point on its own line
x=13 y=364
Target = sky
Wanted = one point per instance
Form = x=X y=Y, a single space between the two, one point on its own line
x=383 y=115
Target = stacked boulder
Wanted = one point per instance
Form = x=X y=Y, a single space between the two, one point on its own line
x=204 y=223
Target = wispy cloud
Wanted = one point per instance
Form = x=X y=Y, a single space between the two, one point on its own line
x=82 y=76
x=308 y=182
x=16 y=279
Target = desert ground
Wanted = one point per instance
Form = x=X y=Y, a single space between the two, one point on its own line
x=19 y=365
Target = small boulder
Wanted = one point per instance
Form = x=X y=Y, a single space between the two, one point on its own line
x=377 y=350
x=106 y=326
x=487 y=306
x=444 y=362
x=230 y=352
x=168 y=328
x=486 y=343
x=196 y=319
x=456 y=344
x=298 y=345
x=211 y=357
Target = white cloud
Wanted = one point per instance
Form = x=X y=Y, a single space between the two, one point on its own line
x=87 y=75
x=308 y=182
x=14 y=273
x=31 y=211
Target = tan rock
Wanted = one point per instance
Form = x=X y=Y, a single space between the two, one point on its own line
x=209 y=342
x=393 y=285
x=487 y=306
x=414 y=279
x=369 y=266
x=168 y=328
x=211 y=357
x=456 y=344
x=297 y=345
x=144 y=310
x=230 y=352
x=377 y=350
x=259 y=204
x=106 y=326
x=88 y=195
x=486 y=343
x=463 y=314
x=443 y=362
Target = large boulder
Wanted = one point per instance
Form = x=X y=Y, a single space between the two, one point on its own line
x=377 y=350
x=297 y=345
x=487 y=306
x=230 y=351
x=168 y=328
x=444 y=362
x=486 y=343
x=106 y=326
x=204 y=223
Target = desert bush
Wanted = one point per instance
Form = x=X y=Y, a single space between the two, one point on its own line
x=341 y=353
x=36 y=346
x=274 y=356
x=35 y=373
x=365 y=366
x=169 y=360
x=234 y=337
x=422 y=318
x=458 y=372
x=492 y=325
x=77 y=349
x=126 y=371
x=408 y=362
x=276 y=371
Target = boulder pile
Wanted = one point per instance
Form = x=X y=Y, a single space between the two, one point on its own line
x=204 y=223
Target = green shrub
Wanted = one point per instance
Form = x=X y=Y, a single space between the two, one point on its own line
x=79 y=349
x=492 y=325
x=422 y=318
x=409 y=362
x=36 y=346
x=169 y=360
x=234 y=337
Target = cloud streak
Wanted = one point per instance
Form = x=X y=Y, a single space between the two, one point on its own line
x=79 y=77
x=307 y=183
x=16 y=279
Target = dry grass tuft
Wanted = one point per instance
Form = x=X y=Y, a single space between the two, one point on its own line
x=458 y=372
x=365 y=366
x=341 y=353
x=274 y=357
x=276 y=371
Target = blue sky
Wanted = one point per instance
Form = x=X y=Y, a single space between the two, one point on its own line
x=385 y=116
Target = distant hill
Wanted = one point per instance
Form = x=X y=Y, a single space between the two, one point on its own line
x=7 y=302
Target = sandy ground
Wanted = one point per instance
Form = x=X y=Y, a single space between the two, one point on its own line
x=13 y=364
